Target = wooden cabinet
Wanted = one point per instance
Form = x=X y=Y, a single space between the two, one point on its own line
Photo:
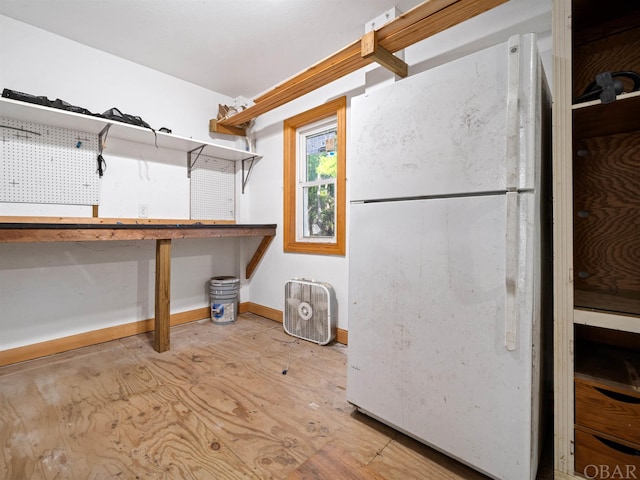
x=611 y=411
x=607 y=410
x=596 y=239
x=598 y=456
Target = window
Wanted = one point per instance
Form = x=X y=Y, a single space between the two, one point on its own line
x=314 y=180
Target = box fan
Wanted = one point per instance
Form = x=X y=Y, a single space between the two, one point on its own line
x=310 y=310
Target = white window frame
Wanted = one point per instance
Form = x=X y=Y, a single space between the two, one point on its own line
x=326 y=124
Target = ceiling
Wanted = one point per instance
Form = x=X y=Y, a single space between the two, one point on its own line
x=234 y=47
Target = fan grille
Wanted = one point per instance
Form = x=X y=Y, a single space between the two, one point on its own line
x=308 y=311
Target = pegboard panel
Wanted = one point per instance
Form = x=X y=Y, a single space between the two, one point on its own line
x=213 y=189
x=44 y=164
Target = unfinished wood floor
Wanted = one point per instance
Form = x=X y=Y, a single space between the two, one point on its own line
x=216 y=406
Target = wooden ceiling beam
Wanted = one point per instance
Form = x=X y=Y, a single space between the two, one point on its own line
x=350 y=52
x=315 y=77
x=409 y=18
x=393 y=27
x=430 y=25
x=422 y=21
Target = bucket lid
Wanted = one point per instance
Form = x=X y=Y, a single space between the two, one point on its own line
x=224 y=280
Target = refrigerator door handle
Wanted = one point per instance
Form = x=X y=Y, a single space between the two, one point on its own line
x=511 y=271
x=512 y=182
x=513 y=120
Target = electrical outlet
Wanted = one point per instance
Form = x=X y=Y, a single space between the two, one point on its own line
x=143 y=210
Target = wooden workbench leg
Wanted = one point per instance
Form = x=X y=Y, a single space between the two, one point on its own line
x=163 y=295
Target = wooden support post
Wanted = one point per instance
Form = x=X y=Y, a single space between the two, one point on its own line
x=369 y=47
x=163 y=295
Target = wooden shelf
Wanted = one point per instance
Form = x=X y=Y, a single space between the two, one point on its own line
x=604 y=319
x=28 y=112
x=612 y=366
x=595 y=119
x=591 y=24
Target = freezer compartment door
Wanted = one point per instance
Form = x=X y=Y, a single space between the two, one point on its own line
x=468 y=126
x=437 y=348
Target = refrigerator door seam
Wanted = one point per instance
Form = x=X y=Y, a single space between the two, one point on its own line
x=431 y=197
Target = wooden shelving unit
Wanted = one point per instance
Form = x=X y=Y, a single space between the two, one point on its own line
x=596 y=240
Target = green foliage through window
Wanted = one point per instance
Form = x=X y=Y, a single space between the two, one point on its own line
x=319 y=199
x=320 y=207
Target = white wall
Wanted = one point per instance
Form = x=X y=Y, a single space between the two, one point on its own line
x=265 y=193
x=53 y=290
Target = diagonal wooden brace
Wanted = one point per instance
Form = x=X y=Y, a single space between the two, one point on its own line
x=369 y=47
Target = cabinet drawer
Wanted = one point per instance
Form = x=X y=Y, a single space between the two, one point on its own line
x=601 y=457
x=612 y=411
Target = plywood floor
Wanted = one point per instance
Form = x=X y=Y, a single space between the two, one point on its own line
x=216 y=406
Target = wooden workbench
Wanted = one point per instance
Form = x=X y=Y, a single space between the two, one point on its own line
x=39 y=229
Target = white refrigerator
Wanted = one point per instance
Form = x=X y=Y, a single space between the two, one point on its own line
x=446 y=173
